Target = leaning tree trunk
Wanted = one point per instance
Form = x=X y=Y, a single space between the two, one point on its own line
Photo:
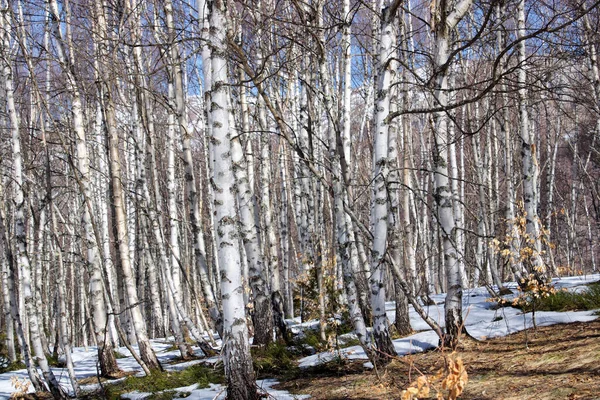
x=344 y=248
x=146 y=351
x=108 y=363
x=22 y=258
x=34 y=376
x=106 y=91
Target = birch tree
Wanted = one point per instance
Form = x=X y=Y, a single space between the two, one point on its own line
x=105 y=88
x=379 y=207
x=530 y=166
x=236 y=353
x=108 y=363
x=444 y=18
x=21 y=255
x=262 y=316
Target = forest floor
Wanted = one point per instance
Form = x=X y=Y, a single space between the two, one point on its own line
x=502 y=355
x=552 y=362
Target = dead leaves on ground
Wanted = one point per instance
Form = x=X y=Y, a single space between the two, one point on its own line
x=448 y=383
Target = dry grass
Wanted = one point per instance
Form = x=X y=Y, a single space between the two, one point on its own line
x=555 y=362
x=90 y=380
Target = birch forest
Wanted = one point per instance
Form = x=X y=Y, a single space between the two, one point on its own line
x=211 y=170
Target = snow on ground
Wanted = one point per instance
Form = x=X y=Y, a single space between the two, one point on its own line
x=217 y=392
x=481 y=321
x=85 y=361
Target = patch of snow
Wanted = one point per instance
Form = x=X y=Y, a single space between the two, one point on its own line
x=218 y=392
x=481 y=319
x=411 y=344
x=85 y=364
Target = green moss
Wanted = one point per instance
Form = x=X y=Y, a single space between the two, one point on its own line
x=119 y=354
x=160 y=383
x=273 y=359
x=349 y=343
x=53 y=361
x=8 y=366
x=311 y=338
x=5 y=364
x=169 y=395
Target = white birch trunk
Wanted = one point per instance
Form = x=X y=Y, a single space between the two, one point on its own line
x=346 y=121
x=444 y=21
x=22 y=258
x=236 y=353
x=207 y=88
x=288 y=290
x=395 y=248
x=348 y=259
x=116 y=185
x=516 y=266
x=529 y=167
x=379 y=205
x=457 y=198
x=38 y=274
x=262 y=316
x=63 y=333
x=146 y=351
x=270 y=241
x=12 y=284
x=192 y=191
x=9 y=326
x=108 y=364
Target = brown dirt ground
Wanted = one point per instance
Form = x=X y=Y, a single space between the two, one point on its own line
x=555 y=362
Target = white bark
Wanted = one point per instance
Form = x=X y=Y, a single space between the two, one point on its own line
x=207 y=88
x=395 y=250
x=348 y=259
x=444 y=20
x=116 y=184
x=517 y=268
x=379 y=204
x=192 y=191
x=346 y=120
x=98 y=306
x=457 y=194
x=65 y=343
x=34 y=376
x=263 y=313
x=286 y=195
x=529 y=167
x=270 y=241
x=22 y=258
x=9 y=327
x=236 y=353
